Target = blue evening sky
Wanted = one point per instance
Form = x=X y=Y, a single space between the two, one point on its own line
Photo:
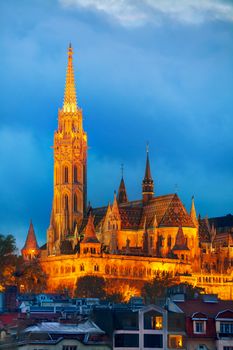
x=146 y=70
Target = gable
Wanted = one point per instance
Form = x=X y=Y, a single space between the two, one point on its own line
x=176 y=215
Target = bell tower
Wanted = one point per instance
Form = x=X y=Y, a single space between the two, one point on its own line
x=70 y=166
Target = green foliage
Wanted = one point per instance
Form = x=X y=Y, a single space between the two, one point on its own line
x=157 y=288
x=30 y=277
x=7 y=246
x=190 y=291
x=90 y=286
x=115 y=297
x=7 y=259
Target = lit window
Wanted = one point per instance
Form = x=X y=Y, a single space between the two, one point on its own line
x=157 y=322
x=175 y=341
x=96 y=267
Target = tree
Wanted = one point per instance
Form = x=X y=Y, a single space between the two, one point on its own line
x=30 y=277
x=157 y=288
x=90 y=286
x=7 y=259
x=190 y=291
x=115 y=297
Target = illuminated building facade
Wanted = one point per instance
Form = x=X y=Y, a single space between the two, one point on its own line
x=126 y=240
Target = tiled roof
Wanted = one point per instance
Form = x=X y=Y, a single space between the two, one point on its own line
x=167 y=210
x=204 y=231
x=189 y=307
x=176 y=215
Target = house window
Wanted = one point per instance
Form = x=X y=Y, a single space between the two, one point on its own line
x=153 y=340
x=69 y=347
x=226 y=327
x=175 y=341
x=199 y=327
x=228 y=348
x=126 y=340
x=157 y=322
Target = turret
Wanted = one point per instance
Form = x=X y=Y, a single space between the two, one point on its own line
x=180 y=248
x=193 y=213
x=121 y=194
x=90 y=243
x=147 y=183
x=30 y=249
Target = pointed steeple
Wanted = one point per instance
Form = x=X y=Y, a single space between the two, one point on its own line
x=70 y=101
x=90 y=235
x=31 y=242
x=115 y=209
x=30 y=249
x=121 y=194
x=147 y=183
x=193 y=213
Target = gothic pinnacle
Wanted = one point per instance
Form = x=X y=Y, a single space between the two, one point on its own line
x=70 y=101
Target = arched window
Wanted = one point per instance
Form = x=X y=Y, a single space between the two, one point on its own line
x=56 y=175
x=66 y=174
x=96 y=267
x=82 y=267
x=169 y=241
x=66 y=202
x=75 y=174
x=57 y=204
x=75 y=203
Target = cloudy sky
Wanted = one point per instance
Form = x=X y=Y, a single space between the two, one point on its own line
x=146 y=70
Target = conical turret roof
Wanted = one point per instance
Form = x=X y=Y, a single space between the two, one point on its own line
x=31 y=242
x=147 y=183
x=147 y=170
x=193 y=213
x=90 y=235
x=122 y=195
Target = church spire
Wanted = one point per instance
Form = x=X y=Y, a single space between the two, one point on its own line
x=147 y=183
x=193 y=213
x=121 y=194
x=70 y=101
